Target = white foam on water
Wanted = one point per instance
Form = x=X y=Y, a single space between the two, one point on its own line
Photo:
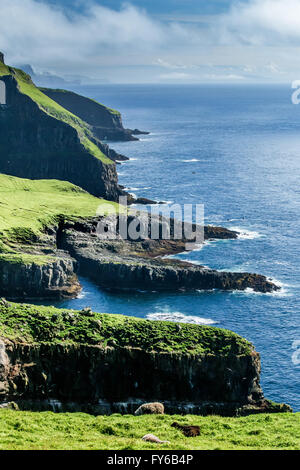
x=282 y=292
x=192 y=160
x=179 y=317
x=163 y=203
x=136 y=189
x=82 y=295
x=246 y=234
x=284 y=288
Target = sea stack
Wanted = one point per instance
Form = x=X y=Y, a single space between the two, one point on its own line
x=2 y=57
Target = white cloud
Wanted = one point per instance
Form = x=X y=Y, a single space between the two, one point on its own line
x=229 y=77
x=256 y=37
x=176 y=76
x=262 y=22
x=168 y=65
x=36 y=32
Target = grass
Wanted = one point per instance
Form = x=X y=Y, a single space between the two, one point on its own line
x=66 y=431
x=60 y=90
x=23 y=258
x=27 y=207
x=53 y=109
x=34 y=324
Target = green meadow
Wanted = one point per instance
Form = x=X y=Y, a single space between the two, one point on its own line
x=66 y=431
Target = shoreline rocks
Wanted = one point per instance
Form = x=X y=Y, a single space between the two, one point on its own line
x=126 y=264
x=55 y=279
x=115 y=264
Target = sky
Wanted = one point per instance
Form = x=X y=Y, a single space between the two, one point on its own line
x=155 y=41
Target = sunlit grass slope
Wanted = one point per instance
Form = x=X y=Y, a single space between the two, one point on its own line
x=27 y=207
x=29 y=430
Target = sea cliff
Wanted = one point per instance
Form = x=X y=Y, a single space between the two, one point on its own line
x=106 y=123
x=40 y=139
x=80 y=360
x=54 y=236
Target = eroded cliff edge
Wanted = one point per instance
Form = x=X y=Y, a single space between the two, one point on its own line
x=106 y=123
x=41 y=139
x=49 y=232
x=80 y=360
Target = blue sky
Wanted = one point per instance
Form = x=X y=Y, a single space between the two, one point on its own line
x=152 y=41
x=159 y=7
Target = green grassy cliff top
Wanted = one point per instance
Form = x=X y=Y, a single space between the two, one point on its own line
x=53 y=109
x=61 y=90
x=27 y=207
x=34 y=324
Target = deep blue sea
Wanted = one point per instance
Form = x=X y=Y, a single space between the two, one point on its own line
x=235 y=149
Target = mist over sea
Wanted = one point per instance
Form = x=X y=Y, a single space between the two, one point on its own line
x=235 y=149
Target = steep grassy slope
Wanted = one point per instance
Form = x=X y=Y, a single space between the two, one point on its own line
x=55 y=92
x=53 y=109
x=40 y=139
x=26 y=430
x=106 y=123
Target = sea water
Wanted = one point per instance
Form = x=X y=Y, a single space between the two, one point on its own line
x=235 y=149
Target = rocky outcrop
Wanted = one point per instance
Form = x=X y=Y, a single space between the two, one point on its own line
x=54 y=278
x=106 y=123
x=40 y=145
x=104 y=380
x=127 y=264
x=77 y=247
x=118 y=272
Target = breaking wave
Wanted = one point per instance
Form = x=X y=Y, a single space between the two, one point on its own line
x=180 y=318
x=246 y=234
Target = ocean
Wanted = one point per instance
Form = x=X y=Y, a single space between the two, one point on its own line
x=236 y=150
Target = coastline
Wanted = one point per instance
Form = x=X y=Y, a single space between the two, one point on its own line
x=42 y=255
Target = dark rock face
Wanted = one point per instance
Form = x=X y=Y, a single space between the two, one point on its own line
x=125 y=264
x=35 y=145
x=119 y=272
x=55 y=279
x=115 y=264
x=87 y=375
x=2 y=57
x=106 y=124
x=106 y=380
